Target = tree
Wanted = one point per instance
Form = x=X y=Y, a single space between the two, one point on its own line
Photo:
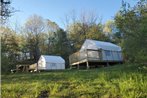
x=109 y=28
x=10 y=48
x=51 y=28
x=5 y=10
x=132 y=23
x=112 y=32
x=84 y=26
x=34 y=28
x=10 y=42
x=96 y=32
x=62 y=45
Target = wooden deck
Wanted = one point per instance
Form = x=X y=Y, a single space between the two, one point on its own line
x=89 y=58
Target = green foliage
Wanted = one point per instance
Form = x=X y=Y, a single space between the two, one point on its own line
x=122 y=81
x=7 y=64
x=95 y=32
x=61 y=45
x=34 y=27
x=10 y=42
x=78 y=32
x=10 y=48
x=132 y=24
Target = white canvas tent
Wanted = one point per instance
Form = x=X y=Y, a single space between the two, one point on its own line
x=109 y=51
x=95 y=53
x=47 y=62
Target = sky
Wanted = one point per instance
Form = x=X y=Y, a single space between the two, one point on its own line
x=55 y=10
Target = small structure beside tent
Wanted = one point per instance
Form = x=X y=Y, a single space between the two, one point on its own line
x=47 y=62
x=95 y=53
x=21 y=68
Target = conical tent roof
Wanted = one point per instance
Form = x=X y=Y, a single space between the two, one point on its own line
x=95 y=45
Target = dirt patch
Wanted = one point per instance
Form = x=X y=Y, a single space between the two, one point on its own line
x=43 y=94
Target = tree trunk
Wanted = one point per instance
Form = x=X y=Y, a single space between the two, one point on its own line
x=37 y=55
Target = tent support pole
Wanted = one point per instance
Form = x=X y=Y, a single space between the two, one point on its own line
x=107 y=64
x=87 y=63
x=78 y=66
x=70 y=66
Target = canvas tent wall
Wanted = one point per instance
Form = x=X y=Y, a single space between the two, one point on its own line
x=47 y=62
x=109 y=51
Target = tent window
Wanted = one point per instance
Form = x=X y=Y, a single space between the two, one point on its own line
x=107 y=53
x=53 y=64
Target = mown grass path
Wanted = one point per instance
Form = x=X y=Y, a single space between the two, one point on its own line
x=120 y=81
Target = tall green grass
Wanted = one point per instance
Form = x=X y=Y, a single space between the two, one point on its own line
x=120 y=81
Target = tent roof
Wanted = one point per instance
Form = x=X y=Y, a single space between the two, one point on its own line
x=53 y=59
x=94 y=44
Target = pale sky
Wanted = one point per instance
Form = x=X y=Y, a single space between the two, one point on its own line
x=55 y=10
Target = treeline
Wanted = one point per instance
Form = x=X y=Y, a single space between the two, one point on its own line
x=40 y=36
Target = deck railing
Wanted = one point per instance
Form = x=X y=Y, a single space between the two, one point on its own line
x=82 y=55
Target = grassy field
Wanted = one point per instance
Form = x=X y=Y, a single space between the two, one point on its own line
x=120 y=81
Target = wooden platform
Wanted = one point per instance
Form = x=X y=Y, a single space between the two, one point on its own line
x=88 y=60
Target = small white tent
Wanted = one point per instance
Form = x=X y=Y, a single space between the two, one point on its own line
x=109 y=50
x=47 y=62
